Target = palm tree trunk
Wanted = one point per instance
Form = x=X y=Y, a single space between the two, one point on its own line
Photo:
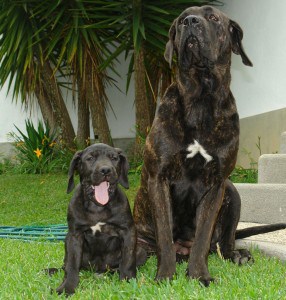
x=96 y=106
x=58 y=104
x=99 y=121
x=142 y=106
x=83 y=129
x=45 y=107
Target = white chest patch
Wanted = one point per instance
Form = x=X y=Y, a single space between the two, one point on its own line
x=97 y=227
x=196 y=148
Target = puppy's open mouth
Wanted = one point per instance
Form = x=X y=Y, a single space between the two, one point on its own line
x=101 y=194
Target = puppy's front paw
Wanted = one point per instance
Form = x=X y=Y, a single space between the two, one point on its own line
x=67 y=290
x=68 y=287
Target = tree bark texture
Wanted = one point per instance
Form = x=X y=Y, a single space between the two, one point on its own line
x=94 y=96
x=58 y=104
x=142 y=105
x=83 y=128
x=45 y=107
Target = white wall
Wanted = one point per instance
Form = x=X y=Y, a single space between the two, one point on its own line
x=261 y=88
x=123 y=124
x=12 y=113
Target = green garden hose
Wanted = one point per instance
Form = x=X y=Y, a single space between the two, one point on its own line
x=51 y=233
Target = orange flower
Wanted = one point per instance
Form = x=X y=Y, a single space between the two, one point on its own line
x=38 y=152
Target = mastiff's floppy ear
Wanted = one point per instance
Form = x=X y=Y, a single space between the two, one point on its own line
x=169 y=50
x=236 y=34
x=124 y=167
x=73 y=167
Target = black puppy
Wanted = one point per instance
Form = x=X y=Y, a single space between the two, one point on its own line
x=101 y=232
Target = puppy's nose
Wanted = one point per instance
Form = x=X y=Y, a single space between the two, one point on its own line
x=105 y=170
x=191 y=20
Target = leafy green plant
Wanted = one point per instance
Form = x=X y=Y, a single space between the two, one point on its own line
x=242 y=175
x=35 y=150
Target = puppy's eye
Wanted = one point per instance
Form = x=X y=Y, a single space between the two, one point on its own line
x=114 y=158
x=213 y=18
x=90 y=158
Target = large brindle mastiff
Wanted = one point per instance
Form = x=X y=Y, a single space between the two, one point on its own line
x=186 y=204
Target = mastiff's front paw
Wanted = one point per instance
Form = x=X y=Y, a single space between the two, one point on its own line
x=203 y=276
x=166 y=272
x=126 y=275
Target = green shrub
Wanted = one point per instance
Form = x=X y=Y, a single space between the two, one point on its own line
x=39 y=151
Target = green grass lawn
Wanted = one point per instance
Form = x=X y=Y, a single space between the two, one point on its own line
x=42 y=200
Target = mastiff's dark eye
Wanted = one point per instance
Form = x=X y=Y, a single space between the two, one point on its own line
x=114 y=158
x=213 y=18
x=90 y=158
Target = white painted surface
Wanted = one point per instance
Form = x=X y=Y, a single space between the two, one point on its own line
x=261 y=88
x=10 y=114
x=123 y=124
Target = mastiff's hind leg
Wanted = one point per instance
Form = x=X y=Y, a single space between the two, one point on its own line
x=224 y=235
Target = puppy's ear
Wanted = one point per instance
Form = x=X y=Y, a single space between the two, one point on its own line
x=73 y=167
x=169 y=50
x=236 y=34
x=124 y=167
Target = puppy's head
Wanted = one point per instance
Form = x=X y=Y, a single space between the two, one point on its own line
x=202 y=37
x=100 y=168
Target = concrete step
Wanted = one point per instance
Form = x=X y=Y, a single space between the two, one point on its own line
x=272 y=168
x=283 y=143
x=262 y=203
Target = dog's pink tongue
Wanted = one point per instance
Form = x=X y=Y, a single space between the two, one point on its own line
x=101 y=192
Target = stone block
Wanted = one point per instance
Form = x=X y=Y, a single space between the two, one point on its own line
x=262 y=203
x=283 y=143
x=272 y=168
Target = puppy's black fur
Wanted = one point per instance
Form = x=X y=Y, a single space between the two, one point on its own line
x=101 y=232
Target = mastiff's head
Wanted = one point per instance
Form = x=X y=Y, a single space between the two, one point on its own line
x=203 y=37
